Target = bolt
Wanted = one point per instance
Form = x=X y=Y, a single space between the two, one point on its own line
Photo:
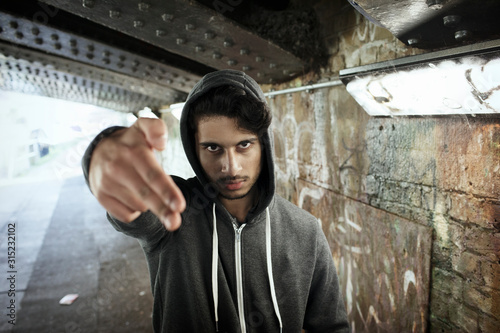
x=114 y=14
x=451 y=20
x=35 y=31
x=122 y=58
x=190 y=27
x=72 y=42
x=106 y=61
x=244 y=51
x=57 y=46
x=106 y=53
x=272 y=65
x=19 y=35
x=216 y=55
x=246 y=68
x=38 y=41
x=286 y=72
x=232 y=62
x=120 y=65
x=199 y=48
x=135 y=63
x=260 y=74
x=160 y=33
x=228 y=43
x=413 y=41
x=90 y=48
x=14 y=24
x=74 y=51
x=54 y=37
x=435 y=4
x=180 y=41
x=143 y=6
x=167 y=17
x=88 y=3
x=90 y=56
x=209 y=35
x=462 y=35
x=138 y=24
x=259 y=59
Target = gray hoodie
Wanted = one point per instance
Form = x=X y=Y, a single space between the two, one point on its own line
x=274 y=272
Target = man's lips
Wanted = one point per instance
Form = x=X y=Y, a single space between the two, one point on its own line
x=232 y=184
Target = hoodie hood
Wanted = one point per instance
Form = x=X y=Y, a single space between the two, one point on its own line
x=241 y=80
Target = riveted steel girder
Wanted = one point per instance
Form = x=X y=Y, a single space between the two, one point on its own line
x=435 y=23
x=32 y=72
x=69 y=45
x=191 y=30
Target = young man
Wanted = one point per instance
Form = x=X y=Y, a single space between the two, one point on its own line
x=225 y=253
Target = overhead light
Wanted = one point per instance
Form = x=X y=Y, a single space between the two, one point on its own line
x=464 y=80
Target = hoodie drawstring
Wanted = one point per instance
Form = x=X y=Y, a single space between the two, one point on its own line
x=215 y=260
x=270 y=268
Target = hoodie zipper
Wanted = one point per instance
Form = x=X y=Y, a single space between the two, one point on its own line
x=239 y=275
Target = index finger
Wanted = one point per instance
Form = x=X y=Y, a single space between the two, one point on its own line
x=154 y=131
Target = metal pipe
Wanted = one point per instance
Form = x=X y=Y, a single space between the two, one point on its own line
x=327 y=84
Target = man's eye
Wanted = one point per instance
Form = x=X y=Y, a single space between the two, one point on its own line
x=245 y=145
x=212 y=148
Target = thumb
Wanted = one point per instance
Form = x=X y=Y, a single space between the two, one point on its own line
x=154 y=130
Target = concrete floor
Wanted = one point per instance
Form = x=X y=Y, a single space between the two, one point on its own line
x=64 y=245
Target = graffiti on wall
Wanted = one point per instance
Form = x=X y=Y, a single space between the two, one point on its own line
x=383 y=261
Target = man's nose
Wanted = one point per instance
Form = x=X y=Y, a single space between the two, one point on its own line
x=230 y=163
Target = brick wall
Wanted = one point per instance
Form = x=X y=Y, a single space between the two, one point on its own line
x=410 y=206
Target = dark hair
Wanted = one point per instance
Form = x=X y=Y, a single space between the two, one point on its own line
x=250 y=113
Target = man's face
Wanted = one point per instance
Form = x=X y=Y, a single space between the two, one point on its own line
x=230 y=156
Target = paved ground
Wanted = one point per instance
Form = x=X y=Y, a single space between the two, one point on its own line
x=64 y=245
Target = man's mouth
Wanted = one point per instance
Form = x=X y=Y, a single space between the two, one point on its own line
x=232 y=184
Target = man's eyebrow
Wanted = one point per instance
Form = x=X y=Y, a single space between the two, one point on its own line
x=208 y=144
x=211 y=143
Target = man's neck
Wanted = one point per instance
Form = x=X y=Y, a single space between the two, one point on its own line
x=239 y=208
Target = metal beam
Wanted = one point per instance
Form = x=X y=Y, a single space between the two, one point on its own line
x=191 y=30
x=32 y=72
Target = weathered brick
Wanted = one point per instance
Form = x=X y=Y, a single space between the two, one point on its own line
x=447 y=283
x=490 y=271
x=465 y=318
x=468 y=264
x=482 y=240
x=487 y=324
x=484 y=299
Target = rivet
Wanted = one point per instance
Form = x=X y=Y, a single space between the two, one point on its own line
x=244 y=51
x=74 y=51
x=138 y=24
x=114 y=14
x=35 y=31
x=90 y=55
x=168 y=81
x=160 y=33
x=180 y=41
x=19 y=35
x=73 y=42
x=38 y=41
x=272 y=65
x=106 y=60
x=167 y=17
x=190 y=27
x=135 y=63
x=462 y=35
x=259 y=59
x=150 y=67
x=14 y=24
x=199 y=48
x=216 y=55
x=1 y=30
x=57 y=46
x=228 y=43
x=106 y=53
x=90 y=47
x=259 y=74
x=209 y=35
x=435 y=4
x=54 y=37
x=144 y=6
x=413 y=41
x=232 y=62
x=120 y=65
x=122 y=57
x=246 y=68
x=451 y=20
x=286 y=72
x=88 y=3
